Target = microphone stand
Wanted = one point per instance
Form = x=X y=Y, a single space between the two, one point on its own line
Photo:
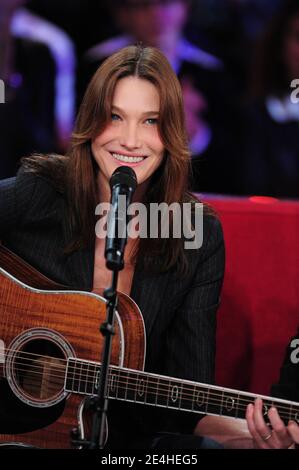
x=100 y=402
x=114 y=253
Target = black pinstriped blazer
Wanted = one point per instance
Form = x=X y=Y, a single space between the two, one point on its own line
x=179 y=314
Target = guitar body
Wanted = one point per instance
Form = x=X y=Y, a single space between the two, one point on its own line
x=41 y=325
x=50 y=359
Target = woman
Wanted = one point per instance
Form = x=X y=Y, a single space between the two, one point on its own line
x=132 y=114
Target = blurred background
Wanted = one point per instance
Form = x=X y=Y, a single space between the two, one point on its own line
x=235 y=60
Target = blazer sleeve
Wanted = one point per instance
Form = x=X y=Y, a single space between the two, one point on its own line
x=15 y=196
x=191 y=339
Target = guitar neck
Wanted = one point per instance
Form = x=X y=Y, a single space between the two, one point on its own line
x=161 y=391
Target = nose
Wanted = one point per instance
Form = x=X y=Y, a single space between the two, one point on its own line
x=130 y=136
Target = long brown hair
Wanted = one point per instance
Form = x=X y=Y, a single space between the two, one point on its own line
x=170 y=181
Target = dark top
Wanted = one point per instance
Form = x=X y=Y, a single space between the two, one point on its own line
x=179 y=314
x=269 y=158
x=287 y=386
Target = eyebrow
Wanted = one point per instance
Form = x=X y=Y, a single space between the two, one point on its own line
x=146 y=113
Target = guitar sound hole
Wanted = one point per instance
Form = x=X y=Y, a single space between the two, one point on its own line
x=39 y=369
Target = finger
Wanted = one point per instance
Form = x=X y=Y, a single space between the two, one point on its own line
x=293 y=430
x=251 y=426
x=281 y=436
x=250 y=417
x=263 y=430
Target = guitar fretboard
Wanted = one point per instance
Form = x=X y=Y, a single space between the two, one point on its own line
x=150 y=389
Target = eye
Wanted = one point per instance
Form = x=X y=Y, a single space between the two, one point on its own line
x=114 y=117
x=152 y=121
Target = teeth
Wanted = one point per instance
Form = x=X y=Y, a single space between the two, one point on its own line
x=124 y=158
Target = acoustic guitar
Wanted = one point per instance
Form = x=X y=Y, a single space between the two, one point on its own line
x=50 y=352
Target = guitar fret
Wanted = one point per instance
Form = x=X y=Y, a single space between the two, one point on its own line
x=140 y=387
x=121 y=389
x=73 y=376
x=238 y=406
x=96 y=380
x=207 y=400
x=69 y=376
x=86 y=379
x=174 y=394
x=229 y=404
x=92 y=375
x=146 y=391
x=163 y=392
x=294 y=414
x=157 y=392
x=75 y=380
x=131 y=386
x=152 y=390
x=221 y=403
x=199 y=398
x=290 y=411
x=89 y=379
x=267 y=404
x=186 y=400
x=127 y=385
x=112 y=383
x=80 y=377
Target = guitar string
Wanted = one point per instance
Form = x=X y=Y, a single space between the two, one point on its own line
x=166 y=389
x=211 y=400
x=154 y=382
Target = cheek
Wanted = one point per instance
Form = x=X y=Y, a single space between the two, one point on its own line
x=159 y=145
x=105 y=137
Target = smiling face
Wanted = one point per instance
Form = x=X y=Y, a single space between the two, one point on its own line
x=131 y=138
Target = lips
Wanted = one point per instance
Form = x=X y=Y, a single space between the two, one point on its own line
x=127 y=159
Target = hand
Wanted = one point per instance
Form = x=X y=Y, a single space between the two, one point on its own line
x=278 y=436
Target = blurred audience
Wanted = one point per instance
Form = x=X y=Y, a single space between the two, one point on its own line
x=206 y=89
x=238 y=146
x=26 y=24
x=269 y=161
x=38 y=108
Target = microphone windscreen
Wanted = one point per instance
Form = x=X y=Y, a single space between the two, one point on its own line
x=124 y=175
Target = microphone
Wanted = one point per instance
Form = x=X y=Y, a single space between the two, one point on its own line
x=123 y=183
